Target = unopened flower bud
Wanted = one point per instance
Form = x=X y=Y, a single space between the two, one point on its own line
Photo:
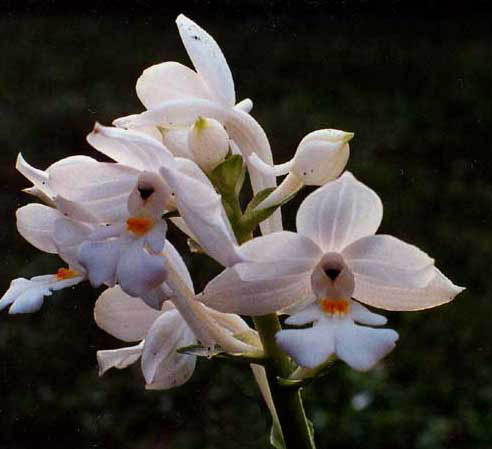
x=208 y=142
x=321 y=156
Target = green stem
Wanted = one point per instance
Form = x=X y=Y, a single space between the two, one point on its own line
x=288 y=402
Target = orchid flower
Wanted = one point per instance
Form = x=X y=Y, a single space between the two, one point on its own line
x=334 y=256
x=27 y=295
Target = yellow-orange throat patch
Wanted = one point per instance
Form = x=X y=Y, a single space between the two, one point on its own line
x=138 y=225
x=66 y=273
x=336 y=307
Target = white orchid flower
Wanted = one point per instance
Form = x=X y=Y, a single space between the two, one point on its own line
x=128 y=252
x=334 y=331
x=320 y=157
x=27 y=295
x=176 y=97
x=336 y=226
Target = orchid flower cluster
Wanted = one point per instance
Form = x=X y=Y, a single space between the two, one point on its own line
x=184 y=160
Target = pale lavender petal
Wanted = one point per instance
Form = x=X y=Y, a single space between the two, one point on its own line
x=339 y=213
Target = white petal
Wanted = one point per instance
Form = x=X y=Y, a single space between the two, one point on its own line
x=169 y=81
x=241 y=127
x=362 y=347
x=364 y=316
x=156 y=237
x=27 y=296
x=339 y=213
x=74 y=210
x=16 y=288
x=208 y=60
x=36 y=223
x=440 y=290
x=245 y=105
x=100 y=260
x=183 y=227
x=129 y=147
x=123 y=316
x=201 y=208
x=311 y=313
x=38 y=177
x=188 y=167
x=118 y=358
x=162 y=366
x=308 y=347
x=139 y=272
x=229 y=293
x=102 y=188
x=386 y=260
x=233 y=323
x=176 y=141
x=175 y=260
x=281 y=247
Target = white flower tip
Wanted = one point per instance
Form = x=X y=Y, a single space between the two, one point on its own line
x=245 y=105
x=20 y=161
x=321 y=156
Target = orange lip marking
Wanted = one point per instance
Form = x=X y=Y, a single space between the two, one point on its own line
x=66 y=273
x=139 y=226
x=335 y=306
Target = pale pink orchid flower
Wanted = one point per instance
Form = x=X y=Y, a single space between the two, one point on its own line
x=315 y=273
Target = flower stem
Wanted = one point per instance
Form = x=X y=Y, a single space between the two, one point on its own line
x=288 y=402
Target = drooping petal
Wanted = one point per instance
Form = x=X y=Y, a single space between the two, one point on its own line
x=439 y=290
x=100 y=259
x=118 y=358
x=123 y=316
x=386 y=260
x=169 y=81
x=362 y=347
x=139 y=272
x=208 y=60
x=241 y=127
x=363 y=315
x=174 y=259
x=202 y=210
x=308 y=347
x=130 y=147
x=229 y=293
x=339 y=213
x=162 y=366
x=36 y=223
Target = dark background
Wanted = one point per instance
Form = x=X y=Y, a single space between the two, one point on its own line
x=413 y=83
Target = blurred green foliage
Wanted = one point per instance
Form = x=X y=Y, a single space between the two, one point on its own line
x=416 y=93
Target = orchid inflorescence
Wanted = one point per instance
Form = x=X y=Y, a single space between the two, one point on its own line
x=184 y=161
